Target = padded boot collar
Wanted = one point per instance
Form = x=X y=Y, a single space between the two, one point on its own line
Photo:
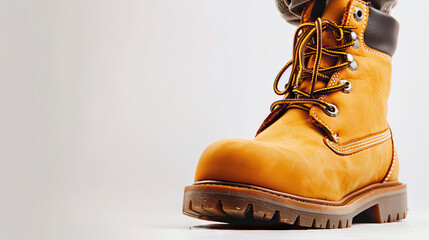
x=382 y=31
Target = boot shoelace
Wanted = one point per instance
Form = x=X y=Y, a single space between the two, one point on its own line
x=307 y=45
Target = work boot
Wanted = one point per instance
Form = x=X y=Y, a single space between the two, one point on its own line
x=324 y=157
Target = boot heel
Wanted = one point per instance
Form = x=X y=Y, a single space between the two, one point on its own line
x=390 y=208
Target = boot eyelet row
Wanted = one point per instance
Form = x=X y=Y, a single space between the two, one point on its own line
x=333 y=112
x=353 y=64
x=348 y=89
x=358 y=14
x=355 y=37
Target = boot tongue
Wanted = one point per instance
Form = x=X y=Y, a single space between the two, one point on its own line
x=334 y=11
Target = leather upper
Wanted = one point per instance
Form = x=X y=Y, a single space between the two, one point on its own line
x=293 y=155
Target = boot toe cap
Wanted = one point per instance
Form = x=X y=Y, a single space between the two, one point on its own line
x=251 y=162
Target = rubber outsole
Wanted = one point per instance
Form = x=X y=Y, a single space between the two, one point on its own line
x=240 y=203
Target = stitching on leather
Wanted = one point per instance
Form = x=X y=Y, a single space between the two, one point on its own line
x=372 y=138
x=382 y=135
x=361 y=37
x=368 y=139
x=350 y=12
x=386 y=56
x=320 y=120
x=334 y=77
x=392 y=165
x=331 y=83
x=366 y=136
x=357 y=149
x=358 y=144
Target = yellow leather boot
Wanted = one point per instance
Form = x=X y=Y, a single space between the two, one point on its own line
x=324 y=157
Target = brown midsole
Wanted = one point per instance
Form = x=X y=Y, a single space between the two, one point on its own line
x=348 y=204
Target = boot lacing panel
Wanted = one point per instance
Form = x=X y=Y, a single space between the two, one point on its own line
x=308 y=45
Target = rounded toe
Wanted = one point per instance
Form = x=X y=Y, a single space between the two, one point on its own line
x=248 y=161
x=226 y=160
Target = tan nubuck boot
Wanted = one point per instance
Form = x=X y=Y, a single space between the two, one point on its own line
x=324 y=157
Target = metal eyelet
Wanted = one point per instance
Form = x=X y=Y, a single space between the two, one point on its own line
x=358 y=14
x=350 y=57
x=348 y=89
x=329 y=112
x=353 y=64
x=355 y=38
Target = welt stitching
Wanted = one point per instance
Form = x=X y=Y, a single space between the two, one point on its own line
x=336 y=75
x=345 y=202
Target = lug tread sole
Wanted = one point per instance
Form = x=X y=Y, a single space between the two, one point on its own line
x=233 y=204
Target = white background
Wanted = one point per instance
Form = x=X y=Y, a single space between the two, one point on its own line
x=106 y=105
